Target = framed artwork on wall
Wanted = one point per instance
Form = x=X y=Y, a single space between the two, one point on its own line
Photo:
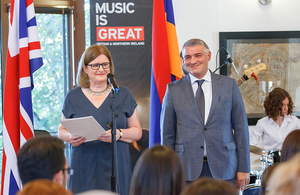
x=269 y=60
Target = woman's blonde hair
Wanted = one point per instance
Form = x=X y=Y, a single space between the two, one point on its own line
x=285 y=179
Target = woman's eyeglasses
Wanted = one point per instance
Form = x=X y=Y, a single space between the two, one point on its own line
x=96 y=66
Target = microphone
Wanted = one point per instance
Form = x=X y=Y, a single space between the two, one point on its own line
x=112 y=82
x=231 y=62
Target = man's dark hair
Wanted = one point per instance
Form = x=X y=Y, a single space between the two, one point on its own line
x=40 y=158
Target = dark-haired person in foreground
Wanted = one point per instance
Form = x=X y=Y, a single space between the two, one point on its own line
x=278 y=123
x=43 y=158
x=290 y=146
x=158 y=171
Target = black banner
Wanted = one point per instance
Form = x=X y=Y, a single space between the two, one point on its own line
x=125 y=28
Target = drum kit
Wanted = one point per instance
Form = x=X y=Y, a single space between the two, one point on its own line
x=270 y=158
x=267 y=159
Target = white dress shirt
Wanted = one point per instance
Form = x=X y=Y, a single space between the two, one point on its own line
x=272 y=135
x=207 y=90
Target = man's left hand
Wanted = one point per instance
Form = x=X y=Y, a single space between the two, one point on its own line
x=242 y=180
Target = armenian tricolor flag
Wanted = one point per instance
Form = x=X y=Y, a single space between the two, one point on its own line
x=166 y=65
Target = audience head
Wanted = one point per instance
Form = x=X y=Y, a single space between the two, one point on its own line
x=210 y=186
x=43 y=187
x=285 y=179
x=158 y=171
x=265 y=177
x=43 y=158
x=290 y=146
x=273 y=103
x=89 y=55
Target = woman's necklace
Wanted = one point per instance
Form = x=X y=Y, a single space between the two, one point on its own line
x=98 y=93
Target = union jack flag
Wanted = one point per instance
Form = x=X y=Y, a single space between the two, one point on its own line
x=23 y=58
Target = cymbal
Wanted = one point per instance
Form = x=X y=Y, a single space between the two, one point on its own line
x=256 y=150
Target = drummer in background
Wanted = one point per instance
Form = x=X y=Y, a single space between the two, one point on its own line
x=278 y=123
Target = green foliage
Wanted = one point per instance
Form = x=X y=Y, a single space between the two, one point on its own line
x=48 y=94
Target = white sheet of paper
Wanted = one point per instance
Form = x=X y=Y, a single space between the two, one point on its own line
x=87 y=127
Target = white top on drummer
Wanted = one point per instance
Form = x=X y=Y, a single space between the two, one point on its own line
x=271 y=133
x=278 y=123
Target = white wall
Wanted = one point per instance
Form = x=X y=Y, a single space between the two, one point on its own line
x=206 y=18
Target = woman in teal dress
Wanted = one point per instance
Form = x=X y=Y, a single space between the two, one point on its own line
x=91 y=161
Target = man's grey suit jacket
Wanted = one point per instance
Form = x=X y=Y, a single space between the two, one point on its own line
x=225 y=132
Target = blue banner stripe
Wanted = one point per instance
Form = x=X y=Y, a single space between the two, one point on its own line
x=155 y=109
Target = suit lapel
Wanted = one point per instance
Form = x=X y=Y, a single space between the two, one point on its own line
x=216 y=92
x=188 y=91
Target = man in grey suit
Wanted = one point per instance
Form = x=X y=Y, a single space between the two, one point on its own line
x=217 y=143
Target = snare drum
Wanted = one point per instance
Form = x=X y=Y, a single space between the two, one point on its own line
x=266 y=160
x=275 y=155
x=272 y=157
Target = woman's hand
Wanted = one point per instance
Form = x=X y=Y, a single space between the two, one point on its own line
x=107 y=136
x=76 y=140
x=132 y=133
